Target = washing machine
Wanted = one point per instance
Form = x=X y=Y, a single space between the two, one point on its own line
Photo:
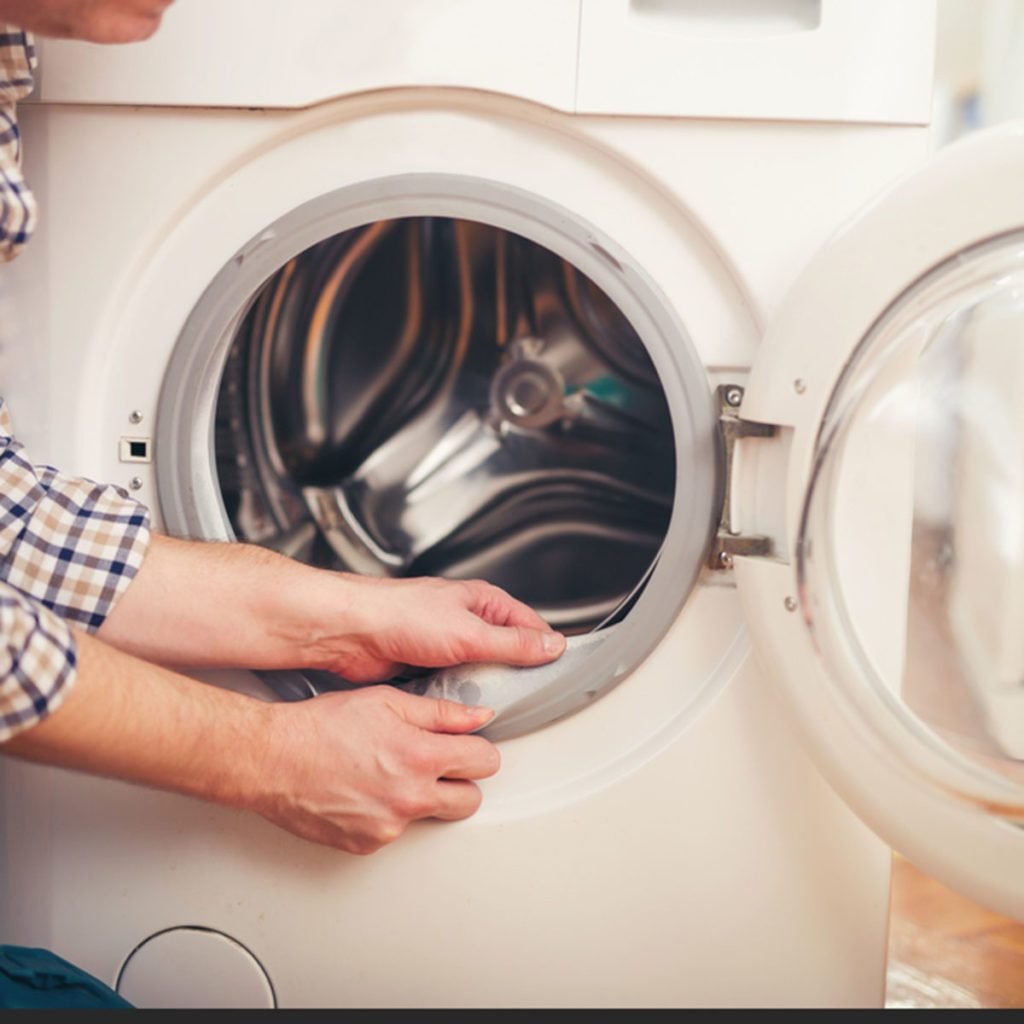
x=500 y=290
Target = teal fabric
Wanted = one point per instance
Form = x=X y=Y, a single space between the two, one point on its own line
x=38 y=979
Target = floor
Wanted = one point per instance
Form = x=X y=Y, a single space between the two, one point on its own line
x=945 y=951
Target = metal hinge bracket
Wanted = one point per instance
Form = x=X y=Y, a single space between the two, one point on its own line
x=729 y=544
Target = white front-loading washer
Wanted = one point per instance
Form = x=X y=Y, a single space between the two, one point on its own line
x=477 y=290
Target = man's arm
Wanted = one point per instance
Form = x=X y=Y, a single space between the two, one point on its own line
x=237 y=605
x=349 y=770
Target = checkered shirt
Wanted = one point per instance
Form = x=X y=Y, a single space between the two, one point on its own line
x=68 y=547
x=68 y=550
x=17 y=205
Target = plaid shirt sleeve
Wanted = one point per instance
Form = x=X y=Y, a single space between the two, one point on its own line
x=17 y=206
x=69 y=545
x=37 y=662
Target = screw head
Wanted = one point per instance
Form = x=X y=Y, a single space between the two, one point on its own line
x=790 y=604
x=135 y=416
x=733 y=396
x=135 y=483
x=725 y=559
x=799 y=386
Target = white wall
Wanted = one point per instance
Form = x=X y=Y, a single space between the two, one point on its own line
x=979 y=66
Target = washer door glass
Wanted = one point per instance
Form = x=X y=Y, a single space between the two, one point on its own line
x=911 y=553
x=434 y=396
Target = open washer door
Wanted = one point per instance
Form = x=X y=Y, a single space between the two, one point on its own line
x=891 y=492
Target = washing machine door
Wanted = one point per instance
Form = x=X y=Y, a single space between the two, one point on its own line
x=886 y=479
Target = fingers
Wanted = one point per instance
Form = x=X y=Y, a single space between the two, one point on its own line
x=456 y=799
x=514 y=645
x=514 y=633
x=523 y=615
x=464 y=757
x=443 y=716
x=353 y=769
x=499 y=608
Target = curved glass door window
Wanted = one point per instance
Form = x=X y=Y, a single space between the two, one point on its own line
x=912 y=544
x=435 y=396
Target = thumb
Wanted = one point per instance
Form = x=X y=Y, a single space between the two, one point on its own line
x=515 y=645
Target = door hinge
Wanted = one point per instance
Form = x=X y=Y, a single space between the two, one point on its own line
x=729 y=544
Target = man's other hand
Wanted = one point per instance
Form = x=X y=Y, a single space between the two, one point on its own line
x=352 y=770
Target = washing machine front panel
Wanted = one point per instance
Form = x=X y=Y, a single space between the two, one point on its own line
x=650 y=809
x=611 y=814
x=890 y=610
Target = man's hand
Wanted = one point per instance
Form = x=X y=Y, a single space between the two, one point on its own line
x=349 y=770
x=245 y=607
x=352 y=770
x=430 y=623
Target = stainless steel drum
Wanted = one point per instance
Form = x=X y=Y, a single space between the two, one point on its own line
x=433 y=396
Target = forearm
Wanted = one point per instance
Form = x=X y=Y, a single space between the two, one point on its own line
x=126 y=719
x=242 y=606
x=201 y=604
x=350 y=770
